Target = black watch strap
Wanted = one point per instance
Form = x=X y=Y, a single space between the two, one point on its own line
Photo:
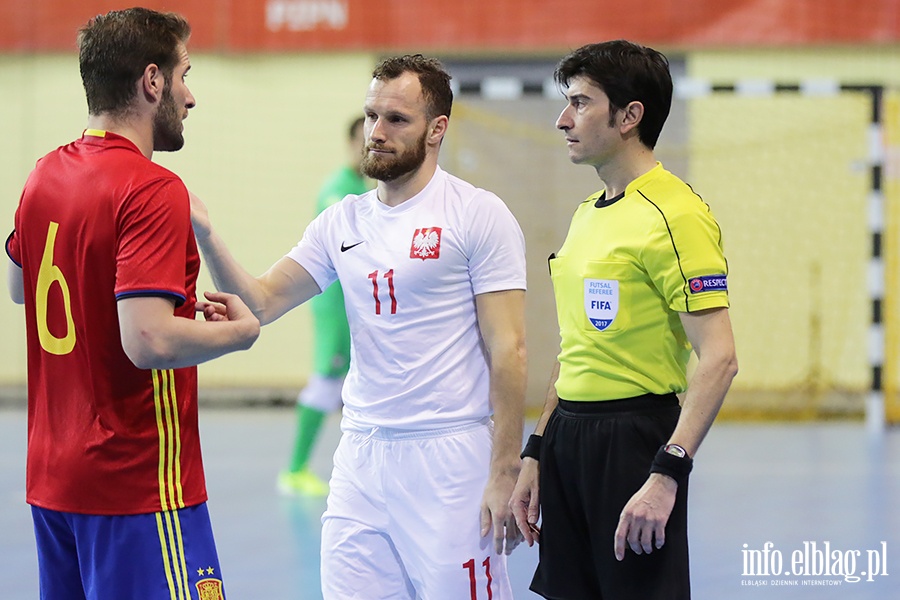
x=672 y=460
x=532 y=447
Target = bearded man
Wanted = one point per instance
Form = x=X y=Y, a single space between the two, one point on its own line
x=433 y=274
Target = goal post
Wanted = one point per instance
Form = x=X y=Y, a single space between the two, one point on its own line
x=795 y=174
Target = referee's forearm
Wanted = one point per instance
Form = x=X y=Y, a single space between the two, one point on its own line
x=704 y=397
x=709 y=332
x=550 y=402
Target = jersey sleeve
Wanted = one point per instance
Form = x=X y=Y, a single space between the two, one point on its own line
x=686 y=263
x=153 y=228
x=12 y=248
x=13 y=244
x=495 y=246
x=311 y=252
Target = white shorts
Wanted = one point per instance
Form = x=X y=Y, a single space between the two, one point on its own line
x=322 y=393
x=403 y=517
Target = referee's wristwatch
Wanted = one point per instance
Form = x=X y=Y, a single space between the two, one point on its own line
x=675 y=450
x=672 y=460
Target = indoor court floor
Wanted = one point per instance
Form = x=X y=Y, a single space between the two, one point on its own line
x=764 y=498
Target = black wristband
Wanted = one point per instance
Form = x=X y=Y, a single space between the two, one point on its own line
x=678 y=468
x=532 y=447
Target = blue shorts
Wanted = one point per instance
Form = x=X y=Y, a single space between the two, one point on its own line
x=168 y=555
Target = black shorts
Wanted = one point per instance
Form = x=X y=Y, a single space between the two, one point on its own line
x=594 y=457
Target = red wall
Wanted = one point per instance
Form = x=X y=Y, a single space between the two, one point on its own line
x=473 y=25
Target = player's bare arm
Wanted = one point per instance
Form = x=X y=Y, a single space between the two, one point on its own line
x=15 y=283
x=501 y=320
x=643 y=521
x=154 y=338
x=525 y=501
x=285 y=285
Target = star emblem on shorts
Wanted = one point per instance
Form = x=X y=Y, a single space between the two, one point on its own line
x=207 y=571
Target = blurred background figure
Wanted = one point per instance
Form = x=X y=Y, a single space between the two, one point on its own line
x=331 y=342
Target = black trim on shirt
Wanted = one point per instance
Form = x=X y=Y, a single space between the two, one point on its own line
x=602 y=202
x=6 y=246
x=718 y=228
x=179 y=299
x=687 y=297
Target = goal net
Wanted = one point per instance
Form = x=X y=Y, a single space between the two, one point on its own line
x=788 y=172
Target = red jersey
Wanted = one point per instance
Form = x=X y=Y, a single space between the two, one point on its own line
x=97 y=222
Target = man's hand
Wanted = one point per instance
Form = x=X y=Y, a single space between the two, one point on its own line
x=525 y=503
x=496 y=515
x=229 y=307
x=644 y=518
x=212 y=311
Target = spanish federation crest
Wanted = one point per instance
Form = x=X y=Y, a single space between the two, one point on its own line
x=426 y=243
x=210 y=589
x=601 y=302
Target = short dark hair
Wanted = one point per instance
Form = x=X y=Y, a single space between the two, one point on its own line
x=354 y=125
x=626 y=72
x=433 y=78
x=115 y=48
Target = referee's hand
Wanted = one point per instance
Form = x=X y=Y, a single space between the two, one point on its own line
x=642 y=523
x=525 y=504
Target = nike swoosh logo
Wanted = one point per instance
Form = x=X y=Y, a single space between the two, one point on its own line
x=345 y=248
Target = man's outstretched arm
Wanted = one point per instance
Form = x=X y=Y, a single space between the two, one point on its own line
x=285 y=285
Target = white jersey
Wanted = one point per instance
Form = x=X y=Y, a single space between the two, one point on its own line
x=410 y=274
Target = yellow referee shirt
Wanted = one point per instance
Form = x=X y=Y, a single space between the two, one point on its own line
x=628 y=266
